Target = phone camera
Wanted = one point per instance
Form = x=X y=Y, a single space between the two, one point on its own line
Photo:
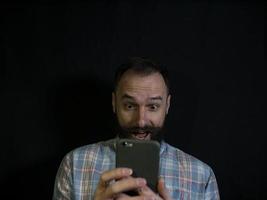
x=127 y=144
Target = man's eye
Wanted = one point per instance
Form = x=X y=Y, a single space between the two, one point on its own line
x=129 y=106
x=153 y=107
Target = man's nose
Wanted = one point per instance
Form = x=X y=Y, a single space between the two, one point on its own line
x=141 y=117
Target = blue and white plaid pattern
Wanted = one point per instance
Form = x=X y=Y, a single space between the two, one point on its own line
x=185 y=177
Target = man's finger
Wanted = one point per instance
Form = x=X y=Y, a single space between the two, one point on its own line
x=146 y=191
x=163 y=192
x=125 y=185
x=114 y=174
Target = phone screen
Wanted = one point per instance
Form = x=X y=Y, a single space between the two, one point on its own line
x=142 y=157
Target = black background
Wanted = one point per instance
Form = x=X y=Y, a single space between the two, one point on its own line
x=58 y=61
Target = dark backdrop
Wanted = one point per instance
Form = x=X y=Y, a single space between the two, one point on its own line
x=58 y=60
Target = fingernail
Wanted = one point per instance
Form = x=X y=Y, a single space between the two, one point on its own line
x=140 y=181
x=127 y=171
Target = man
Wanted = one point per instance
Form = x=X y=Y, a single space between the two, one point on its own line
x=141 y=101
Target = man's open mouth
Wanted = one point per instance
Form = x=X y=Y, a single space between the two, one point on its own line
x=141 y=135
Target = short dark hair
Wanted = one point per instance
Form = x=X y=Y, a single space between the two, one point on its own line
x=143 y=66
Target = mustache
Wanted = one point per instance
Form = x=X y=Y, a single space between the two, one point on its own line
x=157 y=133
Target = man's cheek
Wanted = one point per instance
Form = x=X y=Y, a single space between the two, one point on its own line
x=125 y=119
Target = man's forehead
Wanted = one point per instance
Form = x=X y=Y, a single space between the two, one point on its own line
x=152 y=83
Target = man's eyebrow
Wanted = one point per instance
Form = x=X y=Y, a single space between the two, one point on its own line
x=156 y=98
x=127 y=96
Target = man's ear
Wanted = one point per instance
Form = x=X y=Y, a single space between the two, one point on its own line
x=168 y=103
x=113 y=102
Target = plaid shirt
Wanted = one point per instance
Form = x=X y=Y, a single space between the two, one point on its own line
x=185 y=177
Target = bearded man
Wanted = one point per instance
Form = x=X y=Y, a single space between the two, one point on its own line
x=140 y=100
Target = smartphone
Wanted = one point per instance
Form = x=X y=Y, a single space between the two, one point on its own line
x=142 y=156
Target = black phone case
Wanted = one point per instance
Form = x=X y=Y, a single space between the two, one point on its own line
x=142 y=157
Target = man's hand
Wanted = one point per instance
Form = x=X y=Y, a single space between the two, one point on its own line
x=114 y=183
x=163 y=192
x=108 y=189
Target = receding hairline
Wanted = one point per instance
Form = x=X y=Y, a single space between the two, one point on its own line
x=140 y=73
x=132 y=72
x=142 y=67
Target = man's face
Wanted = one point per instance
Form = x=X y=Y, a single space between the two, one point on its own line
x=141 y=104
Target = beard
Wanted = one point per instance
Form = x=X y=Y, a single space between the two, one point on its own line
x=156 y=133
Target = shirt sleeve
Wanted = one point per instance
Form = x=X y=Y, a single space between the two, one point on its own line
x=64 y=181
x=211 y=189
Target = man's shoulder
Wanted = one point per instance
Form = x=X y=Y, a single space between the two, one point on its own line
x=185 y=172
x=185 y=160
x=91 y=150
